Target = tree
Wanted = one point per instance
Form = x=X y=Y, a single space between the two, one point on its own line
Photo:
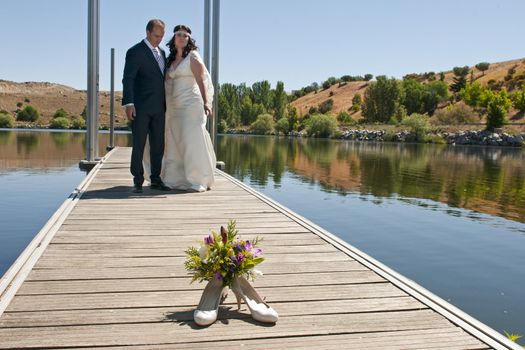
x=413 y=96
x=280 y=99
x=435 y=93
x=518 y=99
x=483 y=66
x=368 y=77
x=472 y=94
x=497 y=110
x=247 y=116
x=261 y=93
x=459 y=79
x=381 y=99
x=263 y=124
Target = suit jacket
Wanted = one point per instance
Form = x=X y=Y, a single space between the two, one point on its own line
x=143 y=81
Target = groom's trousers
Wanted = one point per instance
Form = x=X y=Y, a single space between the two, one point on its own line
x=143 y=125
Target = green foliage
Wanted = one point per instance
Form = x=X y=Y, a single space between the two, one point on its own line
x=263 y=125
x=460 y=78
x=381 y=99
x=321 y=125
x=326 y=106
x=19 y=104
x=84 y=112
x=512 y=336
x=282 y=126
x=345 y=118
x=78 y=123
x=483 y=66
x=418 y=124
x=357 y=99
x=518 y=99
x=280 y=99
x=497 y=110
x=457 y=114
x=59 y=123
x=293 y=117
x=472 y=94
x=368 y=77
x=7 y=121
x=222 y=127
x=28 y=114
x=60 y=113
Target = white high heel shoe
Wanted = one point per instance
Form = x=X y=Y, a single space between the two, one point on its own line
x=259 y=309
x=213 y=295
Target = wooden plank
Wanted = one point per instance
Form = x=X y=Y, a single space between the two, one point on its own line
x=173 y=331
x=227 y=311
x=191 y=297
x=182 y=282
x=97 y=272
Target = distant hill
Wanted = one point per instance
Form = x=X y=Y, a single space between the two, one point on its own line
x=48 y=97
x=342 y=96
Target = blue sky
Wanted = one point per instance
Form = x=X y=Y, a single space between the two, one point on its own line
x=296 y=41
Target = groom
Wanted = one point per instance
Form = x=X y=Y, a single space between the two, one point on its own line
x=144 y=100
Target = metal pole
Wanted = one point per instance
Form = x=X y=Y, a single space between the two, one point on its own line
x=215 y=69
x=92 y=84
x=206 y=49
x=112 y=104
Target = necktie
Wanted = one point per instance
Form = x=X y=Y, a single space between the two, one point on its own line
x=159 y=59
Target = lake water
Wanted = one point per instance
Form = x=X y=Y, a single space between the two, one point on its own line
x=450 y=218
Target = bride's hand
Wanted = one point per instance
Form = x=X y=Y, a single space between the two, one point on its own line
x=207 y=111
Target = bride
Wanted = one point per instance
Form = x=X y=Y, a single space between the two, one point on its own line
x=189 y=159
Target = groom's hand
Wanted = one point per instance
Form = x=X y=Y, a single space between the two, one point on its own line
x=130 y=112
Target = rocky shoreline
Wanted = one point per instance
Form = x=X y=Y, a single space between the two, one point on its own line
x=469 y=137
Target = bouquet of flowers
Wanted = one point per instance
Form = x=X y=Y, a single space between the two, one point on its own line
x=224 y=256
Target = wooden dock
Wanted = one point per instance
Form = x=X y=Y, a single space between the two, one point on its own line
x=107 y=271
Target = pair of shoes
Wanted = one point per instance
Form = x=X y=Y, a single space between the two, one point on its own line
x=260 y=311
x=137 y=188
x=159 y=185
x=214 y=294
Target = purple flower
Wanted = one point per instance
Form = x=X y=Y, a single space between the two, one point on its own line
x=248 y=245
x=240 y=247
x=256 y=252
x=208 y=240
x=240 y=258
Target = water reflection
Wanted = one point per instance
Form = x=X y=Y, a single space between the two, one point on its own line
x=488 y=180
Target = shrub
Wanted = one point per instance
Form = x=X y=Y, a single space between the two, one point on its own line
x=263 y=125
x=26 y=100
x=326 y=106
x=455 y=115
x=472 y=94
x=19 y=104
x=78 y=123
x=7 y=121
x=28 y=114
x=59 y=123
x=357 y=99
x=345 y=118
x=418 y=124
x=321 y=125
x=282 y=126
x=60 y=113
x=222 y=126
x=381 y=99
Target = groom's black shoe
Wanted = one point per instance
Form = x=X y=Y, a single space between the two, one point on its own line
x=159 y=185
x=137 y=188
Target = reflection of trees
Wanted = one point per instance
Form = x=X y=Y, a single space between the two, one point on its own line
x=26 y=142
x=490 y=180
x=61 y=139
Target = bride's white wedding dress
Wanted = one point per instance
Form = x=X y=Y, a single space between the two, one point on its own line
x=189 y=159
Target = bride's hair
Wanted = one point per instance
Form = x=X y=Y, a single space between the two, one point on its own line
x=173 y=49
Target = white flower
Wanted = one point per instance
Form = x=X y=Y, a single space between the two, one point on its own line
x=257 y=272
x=203 y=251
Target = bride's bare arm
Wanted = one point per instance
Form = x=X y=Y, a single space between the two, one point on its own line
x=199 y=72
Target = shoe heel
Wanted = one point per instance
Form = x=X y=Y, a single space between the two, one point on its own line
x=239 y=300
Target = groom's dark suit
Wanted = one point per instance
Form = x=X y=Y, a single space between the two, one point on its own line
x=143 y=85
